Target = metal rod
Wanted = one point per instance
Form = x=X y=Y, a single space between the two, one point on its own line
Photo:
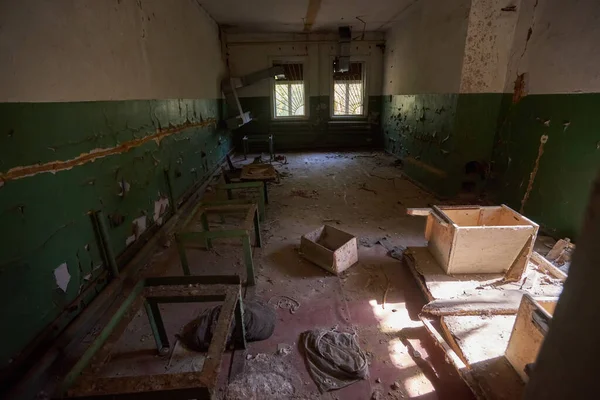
x=158 y=327
x=250 y=280
x=182 y=255
x=104 y=243
x=170 y=190
x=85 y=359
x=257 y=230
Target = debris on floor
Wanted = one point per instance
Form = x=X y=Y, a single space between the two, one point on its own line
x=259 y=323
x=313 y=194
x=561 y=253
x=265 y=377
x=334 y=358
x=393 y=251
x=285 y=302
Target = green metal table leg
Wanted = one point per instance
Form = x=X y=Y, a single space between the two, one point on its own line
x=182 y=256
x=240 y=329
x=208 y=242
x=172 y=202
x=261 y=204
x=248 y=258
x=266 y=192
x=258 y=239
x=158 y=327
x=245 y=146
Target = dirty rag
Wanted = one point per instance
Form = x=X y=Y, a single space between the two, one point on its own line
x=259 y=321
x=334 y=358
x=393 y=251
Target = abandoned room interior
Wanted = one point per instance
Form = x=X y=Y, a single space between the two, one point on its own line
x=308 y=199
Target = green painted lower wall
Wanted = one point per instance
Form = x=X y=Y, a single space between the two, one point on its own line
x=436 y=135
x=318 y=130
x=567 y=166
x=44 y=217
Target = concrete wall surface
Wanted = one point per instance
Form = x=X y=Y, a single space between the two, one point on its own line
x=83 y=50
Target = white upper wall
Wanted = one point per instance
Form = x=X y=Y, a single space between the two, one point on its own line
x=425 y=48
x=252 y=52
x=75 y=50
x=488 y=45
x=563 y=53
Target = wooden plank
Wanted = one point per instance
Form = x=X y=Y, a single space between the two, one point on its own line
x=487 y=249
x=454 y=359
x=479 y=338
x=421 y=212
x=409 y=261
x=490 y=302
x=547 y=266
x=438 y=284
x=526 y=338
x=464 y=217
x=440 y=242
x=515 y=272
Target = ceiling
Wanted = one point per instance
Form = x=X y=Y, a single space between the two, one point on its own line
x=304 y=15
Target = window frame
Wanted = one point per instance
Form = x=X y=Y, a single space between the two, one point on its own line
x=364 y=91
x=290 y=60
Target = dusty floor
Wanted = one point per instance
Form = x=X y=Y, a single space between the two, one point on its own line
x=363 y=194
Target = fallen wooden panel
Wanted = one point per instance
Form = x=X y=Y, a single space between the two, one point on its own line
x=481 y=343
x=528 y=332
x=547 y=266
x=437 y=285
x=497 y=302
x=454 y=359
x=477 y=338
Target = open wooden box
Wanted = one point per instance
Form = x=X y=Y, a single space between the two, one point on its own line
x=330 y=248
x=476 y=239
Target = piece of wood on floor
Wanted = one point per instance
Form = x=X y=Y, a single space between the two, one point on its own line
x=489 y=302
x=542 y=263
x=481 y=343
x=438 y=284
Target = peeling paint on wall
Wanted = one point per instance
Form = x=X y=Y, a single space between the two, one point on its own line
x=91 y=156
x=160 y=207
x=62 y=276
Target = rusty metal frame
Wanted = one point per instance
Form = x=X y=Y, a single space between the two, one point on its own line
x=187 y=234
x=151 y=292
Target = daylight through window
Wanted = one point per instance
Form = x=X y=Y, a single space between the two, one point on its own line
x=348 y=91
x=288 y=96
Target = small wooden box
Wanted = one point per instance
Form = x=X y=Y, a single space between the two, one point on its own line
x=481 y=240
x=330 y=248
x=528 y=333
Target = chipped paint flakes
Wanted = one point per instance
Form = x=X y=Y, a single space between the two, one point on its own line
x=129 y=240
x=160 y=207
x=62 y=276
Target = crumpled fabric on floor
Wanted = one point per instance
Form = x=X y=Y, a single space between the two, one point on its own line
x=335 y=359
x=259 y=321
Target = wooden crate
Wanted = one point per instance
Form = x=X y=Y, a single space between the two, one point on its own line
x=528 y=332
x=475 y=239
x=330 y=248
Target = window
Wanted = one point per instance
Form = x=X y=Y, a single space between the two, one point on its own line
x=288 y=94
x=348 y=91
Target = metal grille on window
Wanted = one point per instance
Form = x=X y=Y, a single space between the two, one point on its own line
x=348 y=91
x=289 y=91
